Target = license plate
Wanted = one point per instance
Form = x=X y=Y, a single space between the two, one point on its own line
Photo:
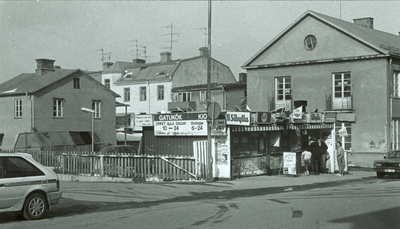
x=389 y=170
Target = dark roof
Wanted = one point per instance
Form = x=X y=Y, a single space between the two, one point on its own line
x=30 y=83
x=149 y=72
x=382 y=42
x=119 y=67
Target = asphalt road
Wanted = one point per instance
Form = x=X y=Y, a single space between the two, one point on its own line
x=302 y=202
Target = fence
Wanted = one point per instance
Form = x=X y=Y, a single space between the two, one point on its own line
x=128 y=166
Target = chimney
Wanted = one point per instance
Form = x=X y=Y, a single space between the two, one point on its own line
x=44 y=66
x=243 y=77
x=139 y=61
x=366 y=22
x=203 y=51
x=57 y=67
x=107 y=65
x=165 y=57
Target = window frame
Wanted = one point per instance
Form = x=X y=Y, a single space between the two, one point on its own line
x=127 y=94
x=18 y=108
x=142 y=93
x=77 y=83
x=281 y=84
x=160 y=92
x=58 y=109
x=184 y=96
x=107 y=83
x=203 y=96
x=396 y=84
x=96 y=106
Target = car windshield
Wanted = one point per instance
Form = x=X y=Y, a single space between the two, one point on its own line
x=394 y=154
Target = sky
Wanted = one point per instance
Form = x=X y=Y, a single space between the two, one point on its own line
x=73 y=33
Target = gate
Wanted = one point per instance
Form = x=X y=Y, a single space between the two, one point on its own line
x=200 y=158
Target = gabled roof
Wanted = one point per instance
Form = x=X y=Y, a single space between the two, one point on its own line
x=382 y=42
x=119 y=67
x=28 y=83
x=149 y=72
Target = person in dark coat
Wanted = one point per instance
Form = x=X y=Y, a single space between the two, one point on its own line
x=322 y=152
x=314 y=149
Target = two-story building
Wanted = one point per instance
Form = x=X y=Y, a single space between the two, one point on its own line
x=348 y=69
x=50 y=102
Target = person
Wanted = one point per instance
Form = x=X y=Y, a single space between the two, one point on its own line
x=314 y=157
x=306 y=155
x=340 y=158
x=322 y=147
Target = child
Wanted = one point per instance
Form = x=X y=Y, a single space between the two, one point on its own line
x=306 y=155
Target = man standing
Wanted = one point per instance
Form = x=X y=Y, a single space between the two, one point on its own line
x=314 y=149
x=340 y=158
x=306 y=155
x=322 y=153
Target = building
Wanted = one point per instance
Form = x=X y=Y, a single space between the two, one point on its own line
x=172 y=85
x=50 y=101
x=348 y=70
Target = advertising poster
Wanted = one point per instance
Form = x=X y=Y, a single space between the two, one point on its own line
x=184 y=124
x=289 y=163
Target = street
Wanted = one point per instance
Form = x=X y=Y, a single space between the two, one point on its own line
x=366 y=202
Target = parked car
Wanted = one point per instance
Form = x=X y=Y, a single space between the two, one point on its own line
x=119 y=149
x=27 y=186
x=390 y=165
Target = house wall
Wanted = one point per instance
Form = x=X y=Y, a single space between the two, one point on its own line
x=313 y=82
x=234 y=98
x=74 y=99
x=11 y=126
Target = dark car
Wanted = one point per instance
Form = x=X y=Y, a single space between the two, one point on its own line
x=390 y=165
x=119 y=150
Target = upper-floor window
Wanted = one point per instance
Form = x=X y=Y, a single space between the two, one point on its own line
x=283 y=92
x=396 y=85
x=160 y=92
x=18 y=108
x=107 y=83
x=96 y=106
x=342 y=90
x=184 y=96
x=203 y=96
x=127 y=94
x=77 y=83
x=142 y=93
x=58 y=108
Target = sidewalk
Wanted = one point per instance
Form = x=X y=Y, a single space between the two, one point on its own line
x=176 y=191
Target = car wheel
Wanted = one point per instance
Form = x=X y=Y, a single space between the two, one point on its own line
x=35 y=206
x=380 y=175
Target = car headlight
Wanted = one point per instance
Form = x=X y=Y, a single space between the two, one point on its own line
x=378 y=164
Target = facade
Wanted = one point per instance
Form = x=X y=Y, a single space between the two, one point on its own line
x=171 y=85
x=50 y=100
x=349 y=70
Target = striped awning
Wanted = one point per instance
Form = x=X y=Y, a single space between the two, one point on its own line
x=310 y=126
x=257 y=128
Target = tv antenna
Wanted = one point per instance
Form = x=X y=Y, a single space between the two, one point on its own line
x=171 y=34
x=205 y=35
x=136 y=50
x=104 y=54
x=144 y=51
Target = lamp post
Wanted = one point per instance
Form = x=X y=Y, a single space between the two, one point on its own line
x=87 y=110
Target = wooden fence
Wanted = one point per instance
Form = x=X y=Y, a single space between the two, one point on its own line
x=128 y=166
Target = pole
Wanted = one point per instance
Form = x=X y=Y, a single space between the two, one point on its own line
x=209 y=159
x=92 y=132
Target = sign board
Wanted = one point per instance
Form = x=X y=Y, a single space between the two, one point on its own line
x=264 y=117
x=330 y=117
x=182 y=124
x=213 y=110
x=238 y=118
x=316 y=117
x=143 y=120
x=219 y=127
x=289 y=163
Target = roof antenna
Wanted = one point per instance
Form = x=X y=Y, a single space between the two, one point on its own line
x=205 y=35
x=171 y=34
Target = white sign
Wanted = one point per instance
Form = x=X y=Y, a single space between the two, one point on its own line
x=289 y=163
x=180 y=128
x=238 y=118
x=143 y=120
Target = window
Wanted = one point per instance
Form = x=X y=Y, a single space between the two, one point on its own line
x=77 y=83
x=127 y=94
x=58 y=108
x=160 y=92
x=18 y=108
x=345 y=139
x=203 y=96
x=142 y=93
x=107 y=83
x=19 y=167
x=96 y=106
x=342 y=90
x=283 y=92
x=184 y=96
x=396 y=84
x=395 y=134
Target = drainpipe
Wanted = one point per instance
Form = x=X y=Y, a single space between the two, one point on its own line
x=224 y=98
x=390 y=108
x=148 y=87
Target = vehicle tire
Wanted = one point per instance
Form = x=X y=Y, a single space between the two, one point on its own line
x=380 y=175
x=35 y=206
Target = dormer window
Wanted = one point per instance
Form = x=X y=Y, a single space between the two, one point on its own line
x=128 y=75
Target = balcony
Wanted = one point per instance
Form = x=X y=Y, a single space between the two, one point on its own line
x=185 y=106
x=275 y=105
x=337 y=104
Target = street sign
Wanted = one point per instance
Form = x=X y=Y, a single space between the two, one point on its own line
x=213 y=110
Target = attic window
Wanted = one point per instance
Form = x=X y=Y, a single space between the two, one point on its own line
x=160 y=73
x=128 y=75
x=310 y=42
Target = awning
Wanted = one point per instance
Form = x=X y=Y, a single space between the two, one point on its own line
x=257 y=128
x=310 y=126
